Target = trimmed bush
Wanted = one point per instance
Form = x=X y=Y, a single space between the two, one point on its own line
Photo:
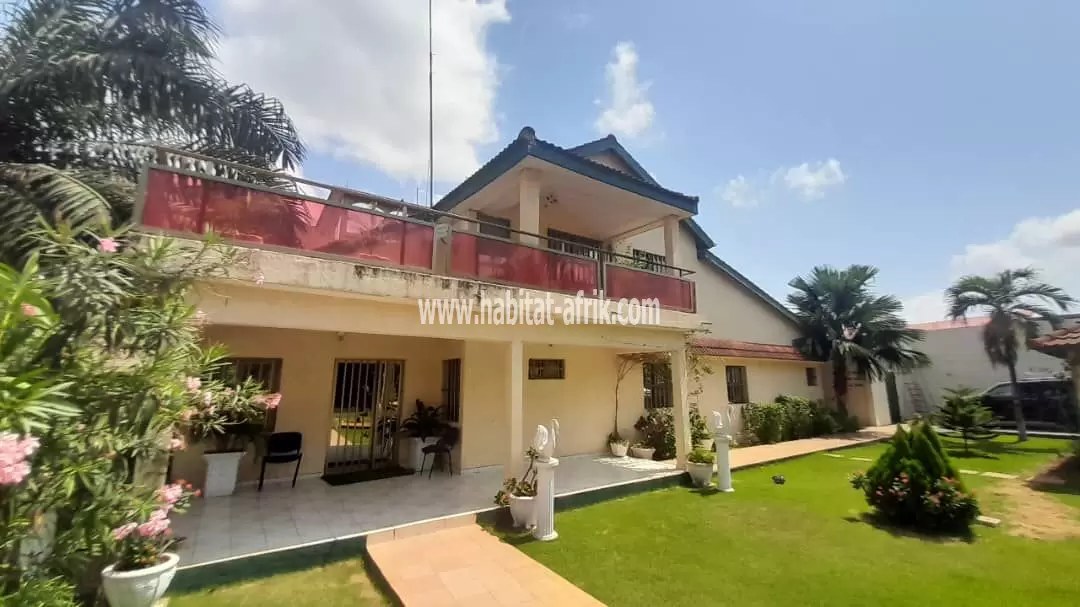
x=914 y=484
x=657 y=428
x=792 y=417
x=763 y=423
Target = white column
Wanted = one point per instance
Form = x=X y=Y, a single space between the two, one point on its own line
x=529 y=206
x=679 y=380
x=671 y=237
x=545 y=500
x=515 y=396
x=722 y=440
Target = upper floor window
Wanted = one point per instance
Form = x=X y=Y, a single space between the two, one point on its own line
x=573 y=244
x=648 y=260
x=737 y=390
x=493 y=226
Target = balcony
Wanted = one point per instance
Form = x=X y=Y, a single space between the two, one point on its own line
x=189 y=201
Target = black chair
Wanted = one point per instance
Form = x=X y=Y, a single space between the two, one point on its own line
x=445 y=446
x=282 y=448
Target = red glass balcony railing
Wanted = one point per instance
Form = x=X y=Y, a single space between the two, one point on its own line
x=475 y=256
x=185 y=204
x=672 y=292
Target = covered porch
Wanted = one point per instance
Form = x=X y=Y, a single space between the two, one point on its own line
x=280 y=518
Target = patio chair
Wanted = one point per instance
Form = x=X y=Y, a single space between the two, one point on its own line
x=282 y=448
x=445 y=446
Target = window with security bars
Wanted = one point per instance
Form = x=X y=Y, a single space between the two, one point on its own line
x=574 y=244
x=656 y=379
x=654 y=262
x=451 y=388
x=547 y=368
x=737 y=390
x=494 y=226
x=811 y=376
x=266 y=371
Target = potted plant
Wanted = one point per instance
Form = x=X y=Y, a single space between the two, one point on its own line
x=618 y=444
x=699 y=430
x=423 y=427
x=520 y=495
x=144 y=567
x=700 y=466
x=641 y=450
x=228 y=418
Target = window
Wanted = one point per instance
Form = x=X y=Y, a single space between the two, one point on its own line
x=1001 y=390
x=573 y=244
x=648 y=260
x=811 y=376
x=737 y=392
x=266 y=371
x=501 y=229
x=656 y=377
x=451 y=388
x=547 y=368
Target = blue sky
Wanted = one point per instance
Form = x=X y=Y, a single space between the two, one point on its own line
x=954 y=125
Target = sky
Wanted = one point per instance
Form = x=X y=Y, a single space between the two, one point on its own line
x=929 y=139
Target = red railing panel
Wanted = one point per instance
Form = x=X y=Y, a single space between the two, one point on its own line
x=475 y=256
x=183 y=204
x=629 y=283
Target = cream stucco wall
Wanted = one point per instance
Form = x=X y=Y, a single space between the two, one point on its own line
x=307 y=382
x=766 y=379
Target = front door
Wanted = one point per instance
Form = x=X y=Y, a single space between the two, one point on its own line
x=366 y=412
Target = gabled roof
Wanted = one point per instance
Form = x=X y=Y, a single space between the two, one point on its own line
x=1059 y=342
x=612 y=145
x=527 y=145
x=744 y=349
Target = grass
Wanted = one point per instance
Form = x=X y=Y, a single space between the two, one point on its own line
x=806 y=542
x=1002 y=454
x=342 y=584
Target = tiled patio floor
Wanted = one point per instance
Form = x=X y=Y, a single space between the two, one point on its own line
x=250 y=522
x=467 y=566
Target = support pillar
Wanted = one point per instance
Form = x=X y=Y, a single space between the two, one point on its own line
x=722 y=440
x=529 y=206
x=679 y=380
x=671 y=237
x=515 y=397
x=545 y=500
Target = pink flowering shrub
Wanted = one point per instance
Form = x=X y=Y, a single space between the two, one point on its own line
x=913 y=484
x=140 y=542
x=15 y=452
x=226 y=412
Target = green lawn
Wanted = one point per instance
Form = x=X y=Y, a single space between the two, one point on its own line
x=1001 y=454
x=803 y=543
x=344 y=584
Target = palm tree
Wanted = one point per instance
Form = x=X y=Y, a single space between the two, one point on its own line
x=1015 y=300
x=843 y=322
x=87 y=85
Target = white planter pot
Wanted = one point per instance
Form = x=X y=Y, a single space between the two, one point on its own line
x=618 y=449
x=642 y=452
x=140 y=587
x=700 y=474
x=416 y=450
x=706 y=444
x=221 y=471
x=523 y=510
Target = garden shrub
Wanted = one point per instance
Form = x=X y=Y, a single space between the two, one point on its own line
x=798 y=416
x=657 y=428
x=792 y=417
x=914 y=484
x=763 y=423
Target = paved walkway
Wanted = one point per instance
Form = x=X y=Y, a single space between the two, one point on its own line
x=465 y=565
x=763 y=454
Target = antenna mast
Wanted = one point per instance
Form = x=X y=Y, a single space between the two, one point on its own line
x=431 y=115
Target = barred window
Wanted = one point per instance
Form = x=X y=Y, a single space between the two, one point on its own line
x=451 y=388
x=737 y=390
x=547 y=368
x=656 y=377
x=266 y=371
x=811 y=376
x=574 y=244
x=648 y=260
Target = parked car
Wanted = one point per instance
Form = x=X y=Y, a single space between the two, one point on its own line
x=1048 y=403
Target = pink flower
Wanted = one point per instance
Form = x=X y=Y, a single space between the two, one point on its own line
x=107 y=245
x=177 y=444
x=153 y=527
x=14 y=452
x=170 y=494
x=273 y=400
x=123 y=531
x=29 y=310
x=193 y=384
x=259 y=278
x=160 y=514
x=207 y=398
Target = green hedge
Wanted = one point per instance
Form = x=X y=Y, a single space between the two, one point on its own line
x=792 y=417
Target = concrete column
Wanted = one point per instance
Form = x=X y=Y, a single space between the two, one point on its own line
x=545 y=500
x=529 y=206
x=679 y=381
x=671 y=237
x=515 y=397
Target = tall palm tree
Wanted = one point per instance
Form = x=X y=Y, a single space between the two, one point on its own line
x=86 y=85
x=842 y=321
x=1015 y=300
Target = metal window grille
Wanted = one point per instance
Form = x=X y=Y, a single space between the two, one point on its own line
x=547 y=368
x=451 y=388
x=656 y=379
x=737 y=392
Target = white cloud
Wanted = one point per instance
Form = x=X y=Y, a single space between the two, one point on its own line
x=354 y=76
x=1049 y=244
x=739 y=192
x=626 y=111
x=811 y=183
